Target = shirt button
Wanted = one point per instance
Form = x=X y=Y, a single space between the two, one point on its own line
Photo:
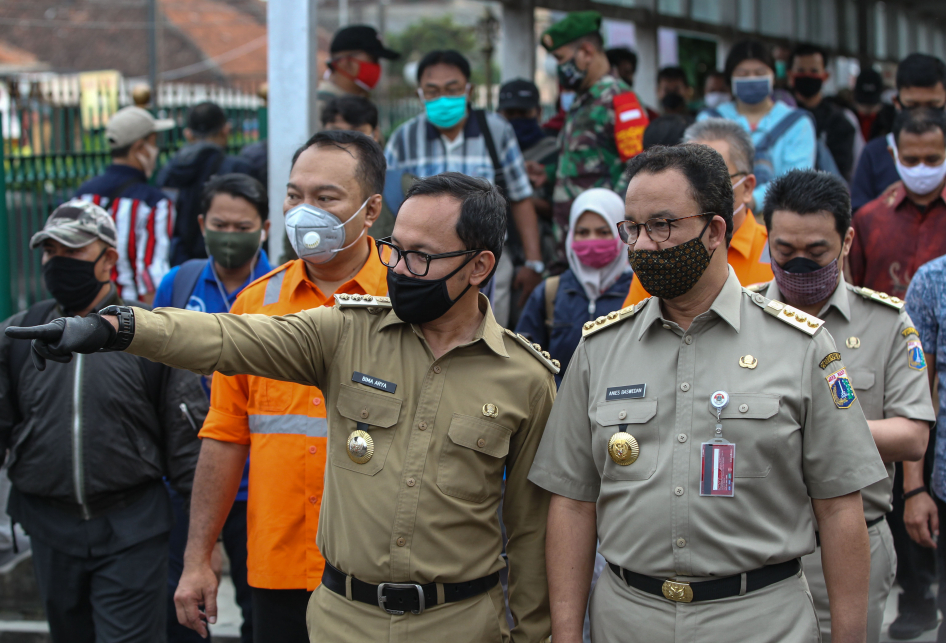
x=622 y=415
x=411 y=482
x=682 y=438
x=422 y=426
x=401 y=542
x=364 y=413
x=681 y=542
x=481 y=443
x=678 y=491
x=316 y=400
x=437 y=370
x=688 y=339
x=683 y=387
x=313 y=449
x=743 y=408
x=313 y=499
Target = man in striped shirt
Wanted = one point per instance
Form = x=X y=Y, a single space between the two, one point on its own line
x=143 y=214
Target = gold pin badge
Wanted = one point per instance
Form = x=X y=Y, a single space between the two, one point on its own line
x=853 y=342
x=748 y=361
x=490 y=410
x=360 y=446
x=623 y=448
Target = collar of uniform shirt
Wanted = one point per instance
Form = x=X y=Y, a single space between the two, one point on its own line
x=839 y=299
x=743 y=236
x=372 y=278
x=726 y=305
x=489 y=331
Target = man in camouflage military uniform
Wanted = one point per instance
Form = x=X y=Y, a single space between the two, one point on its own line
x=605 y=125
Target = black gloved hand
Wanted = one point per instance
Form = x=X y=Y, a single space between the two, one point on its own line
x=62 y=337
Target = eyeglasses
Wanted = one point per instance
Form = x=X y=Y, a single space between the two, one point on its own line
x=433 y=93
x=418 y=263
x=657 y=229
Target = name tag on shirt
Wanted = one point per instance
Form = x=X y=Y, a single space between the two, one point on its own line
x=373 y=382
x=630 y=392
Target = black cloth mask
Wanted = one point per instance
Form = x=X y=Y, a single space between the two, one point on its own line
x=808 y=86
x=72 y=282
x=673 y=101
x=419 y=301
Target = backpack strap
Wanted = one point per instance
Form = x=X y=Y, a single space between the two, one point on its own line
x=185 y=280
x=20 y=350
x=500 y=178
x=780 y=128
x=551 y=289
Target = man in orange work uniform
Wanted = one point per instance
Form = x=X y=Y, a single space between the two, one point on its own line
x=332 y=198
x=749 y=249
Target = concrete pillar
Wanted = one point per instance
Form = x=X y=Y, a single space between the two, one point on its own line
x=518 y=59
x=645 y=78
x=293 y=117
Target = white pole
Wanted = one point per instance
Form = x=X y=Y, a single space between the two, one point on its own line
x=291 y=99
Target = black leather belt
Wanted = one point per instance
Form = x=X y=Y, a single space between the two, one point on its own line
x=398 y=598
x=870 y=523
x=709 y=590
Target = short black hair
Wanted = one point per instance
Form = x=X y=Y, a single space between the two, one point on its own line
x=808 y=50
x=121 y=152
x=665 y=130
x=715 y=74
x=673 y=73
x=618 y=55
x=918 y=120
x=809 y=192
x=354 y=110
x=594 y=39
x=704 y=169
x=444 y=57
x=747 y=50
x=206 y=119
x=371 y=163
x=482 y=222
x=242 y=186
x=920 y=70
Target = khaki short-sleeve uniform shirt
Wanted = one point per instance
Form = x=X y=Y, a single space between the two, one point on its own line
x=793 y=440
x=884 y=360
x=423 y=508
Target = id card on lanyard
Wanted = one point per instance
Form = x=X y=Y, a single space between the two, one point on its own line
x=718 y=457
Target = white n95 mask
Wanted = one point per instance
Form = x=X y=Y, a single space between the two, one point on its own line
x=317 y=235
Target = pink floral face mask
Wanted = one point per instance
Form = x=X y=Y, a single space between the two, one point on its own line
x=597 y=253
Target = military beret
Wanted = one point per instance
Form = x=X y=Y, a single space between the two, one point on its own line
x=571 y=28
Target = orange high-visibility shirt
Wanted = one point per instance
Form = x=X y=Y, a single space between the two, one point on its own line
x=285 y=426
x=748 y=256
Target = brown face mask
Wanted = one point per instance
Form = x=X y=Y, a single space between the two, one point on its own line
x=671 y=272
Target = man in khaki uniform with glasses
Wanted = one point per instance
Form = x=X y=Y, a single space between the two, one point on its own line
x=693 y=434
x=808 y=216
x=428 y=405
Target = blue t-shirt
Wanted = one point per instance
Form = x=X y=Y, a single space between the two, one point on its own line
x=207 y=298
x=926 y=303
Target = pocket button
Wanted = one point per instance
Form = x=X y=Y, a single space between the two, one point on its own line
x=313 y=449
x=481 y=443
x=743 y=408
x=622 y=415
x=364 y=414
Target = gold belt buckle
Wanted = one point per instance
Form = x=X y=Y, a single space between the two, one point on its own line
x=677 y=591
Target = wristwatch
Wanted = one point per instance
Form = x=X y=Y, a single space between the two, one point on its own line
x=126 y=326
x=535 y=265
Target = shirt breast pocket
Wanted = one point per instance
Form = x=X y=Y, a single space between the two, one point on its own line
x=640 y=416
x=863 y=381
x=749 y=421
x=473 y=456
x=377 y=413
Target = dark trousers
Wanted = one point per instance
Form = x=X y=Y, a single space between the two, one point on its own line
x=234 y=543
x=941 y=567
x=279 y=615
x=118 y=598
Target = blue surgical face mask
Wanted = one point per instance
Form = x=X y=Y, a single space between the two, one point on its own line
x=567 y=99
x=446 y=111
x=752 y=90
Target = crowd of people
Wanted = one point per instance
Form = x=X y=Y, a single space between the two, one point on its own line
x=493 y=391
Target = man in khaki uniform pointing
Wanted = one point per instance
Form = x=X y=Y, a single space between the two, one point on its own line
x=693 y=434
x=808 y=216
x=427 y=403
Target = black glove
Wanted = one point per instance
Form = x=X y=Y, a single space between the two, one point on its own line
x=62 y=337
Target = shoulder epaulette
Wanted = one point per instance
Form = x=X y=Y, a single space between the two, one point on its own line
x=345 y=300
x=536 y=351
x=879 y=297
x=759 y=287
x=808 y=324
x=591 y=327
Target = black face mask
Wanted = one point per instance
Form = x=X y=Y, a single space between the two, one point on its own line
x=72 y=282
x=807 y=86
x=800 y=265
x=418 y=301
x=672 y=101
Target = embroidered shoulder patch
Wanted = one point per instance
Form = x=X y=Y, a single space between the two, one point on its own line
x=909 y=330
x=841 y=390
x=917 y=358
x=828 y=359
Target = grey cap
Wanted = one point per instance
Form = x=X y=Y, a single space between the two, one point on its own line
x=77 y=224
x=131 y=124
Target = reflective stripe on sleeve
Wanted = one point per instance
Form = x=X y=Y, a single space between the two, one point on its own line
x=290 y=425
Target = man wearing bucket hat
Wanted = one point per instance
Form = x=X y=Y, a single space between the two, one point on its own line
x=89 y=442
x=143 y=214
